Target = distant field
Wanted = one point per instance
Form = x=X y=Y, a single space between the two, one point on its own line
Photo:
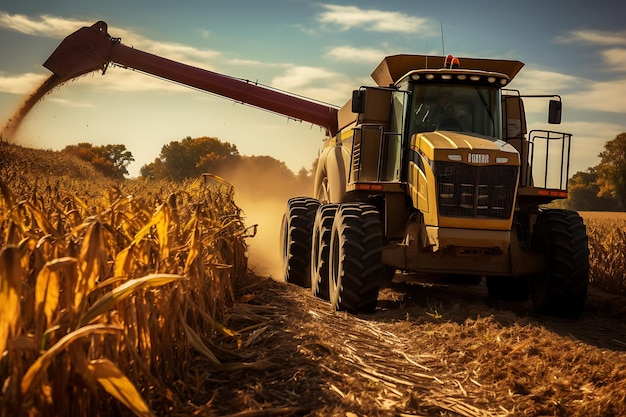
x=603 y=215
x=607 y=245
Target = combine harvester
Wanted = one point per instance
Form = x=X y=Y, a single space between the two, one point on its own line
x=433 y=170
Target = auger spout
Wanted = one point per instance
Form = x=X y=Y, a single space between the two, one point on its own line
x=86 y=50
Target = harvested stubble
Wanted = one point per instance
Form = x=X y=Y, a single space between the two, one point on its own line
x=108 y=297
x=471 y=360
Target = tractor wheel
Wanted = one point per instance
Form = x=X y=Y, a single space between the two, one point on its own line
x=562 y=288
x=296 y=240
x=355 y=258
x=320 y=250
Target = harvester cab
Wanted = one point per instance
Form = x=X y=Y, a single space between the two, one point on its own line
x=427 y=128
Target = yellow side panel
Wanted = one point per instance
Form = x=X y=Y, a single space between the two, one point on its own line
x=430 y=216
x=418 y=188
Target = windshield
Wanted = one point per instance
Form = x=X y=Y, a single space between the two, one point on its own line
x=456 y=107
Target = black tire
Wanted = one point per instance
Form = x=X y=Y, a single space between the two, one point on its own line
x=355 y=258
x=295 y=240
x=320 y=250
x=562 y=289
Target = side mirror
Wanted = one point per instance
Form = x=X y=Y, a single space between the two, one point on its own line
x=554 y=112
x=358 y=101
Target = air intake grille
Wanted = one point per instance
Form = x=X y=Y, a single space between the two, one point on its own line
x=475 y=191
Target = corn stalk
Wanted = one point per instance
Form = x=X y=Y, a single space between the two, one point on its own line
x=108 y=296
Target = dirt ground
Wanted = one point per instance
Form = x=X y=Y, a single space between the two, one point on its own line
x=428 y=350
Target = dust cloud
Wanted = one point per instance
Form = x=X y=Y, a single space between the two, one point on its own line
x=15 y=121
x=262 y=191
x=264 y=248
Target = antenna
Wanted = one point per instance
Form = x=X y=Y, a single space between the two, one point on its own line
x=443 y=45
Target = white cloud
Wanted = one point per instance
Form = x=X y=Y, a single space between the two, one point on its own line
x=57 y=27
x=315 y=83
x=50 y=26
x=614 y=44
x=178 y=52
x=594 y=37
x=536 y=81
x=600 y=96
x=298 y=77
x=577 y=92
x=595 y=130
x=20 y=84
x=615 y=58
x=351 y=53
x=349 y=17
x=248 y=63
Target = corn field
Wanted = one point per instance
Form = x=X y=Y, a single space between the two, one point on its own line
x=110 y=298
x=607 y=245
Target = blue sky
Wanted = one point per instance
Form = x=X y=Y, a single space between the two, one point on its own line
x=322 y=50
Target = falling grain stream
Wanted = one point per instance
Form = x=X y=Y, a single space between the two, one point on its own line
x=15 y=121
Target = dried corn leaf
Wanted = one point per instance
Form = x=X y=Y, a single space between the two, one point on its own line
x=122 y=263
x=156 y=219
x=119 y=386
x=162 y=221
x=36 y=371
x=196 y=342
x=194 y=249
x=10 y=290
x=7 y=195
x=107 y=302
x=92 y=262
x=41 y=219
x=47 y=292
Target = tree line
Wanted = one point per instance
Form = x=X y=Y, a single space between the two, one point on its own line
x=253 y=175
x=192 y=157
x=599 y=188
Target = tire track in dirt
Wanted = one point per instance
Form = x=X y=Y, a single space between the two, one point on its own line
x=427 y=350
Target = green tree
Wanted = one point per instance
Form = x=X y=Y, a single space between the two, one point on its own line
x=154 y=170
x=191 y=157
x=119 y=156
x=584 y=193
x=111 y=160
x=612 y=169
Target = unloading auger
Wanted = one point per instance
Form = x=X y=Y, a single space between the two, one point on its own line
x=93 y=49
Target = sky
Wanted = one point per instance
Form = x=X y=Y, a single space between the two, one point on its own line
x=321 y=50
